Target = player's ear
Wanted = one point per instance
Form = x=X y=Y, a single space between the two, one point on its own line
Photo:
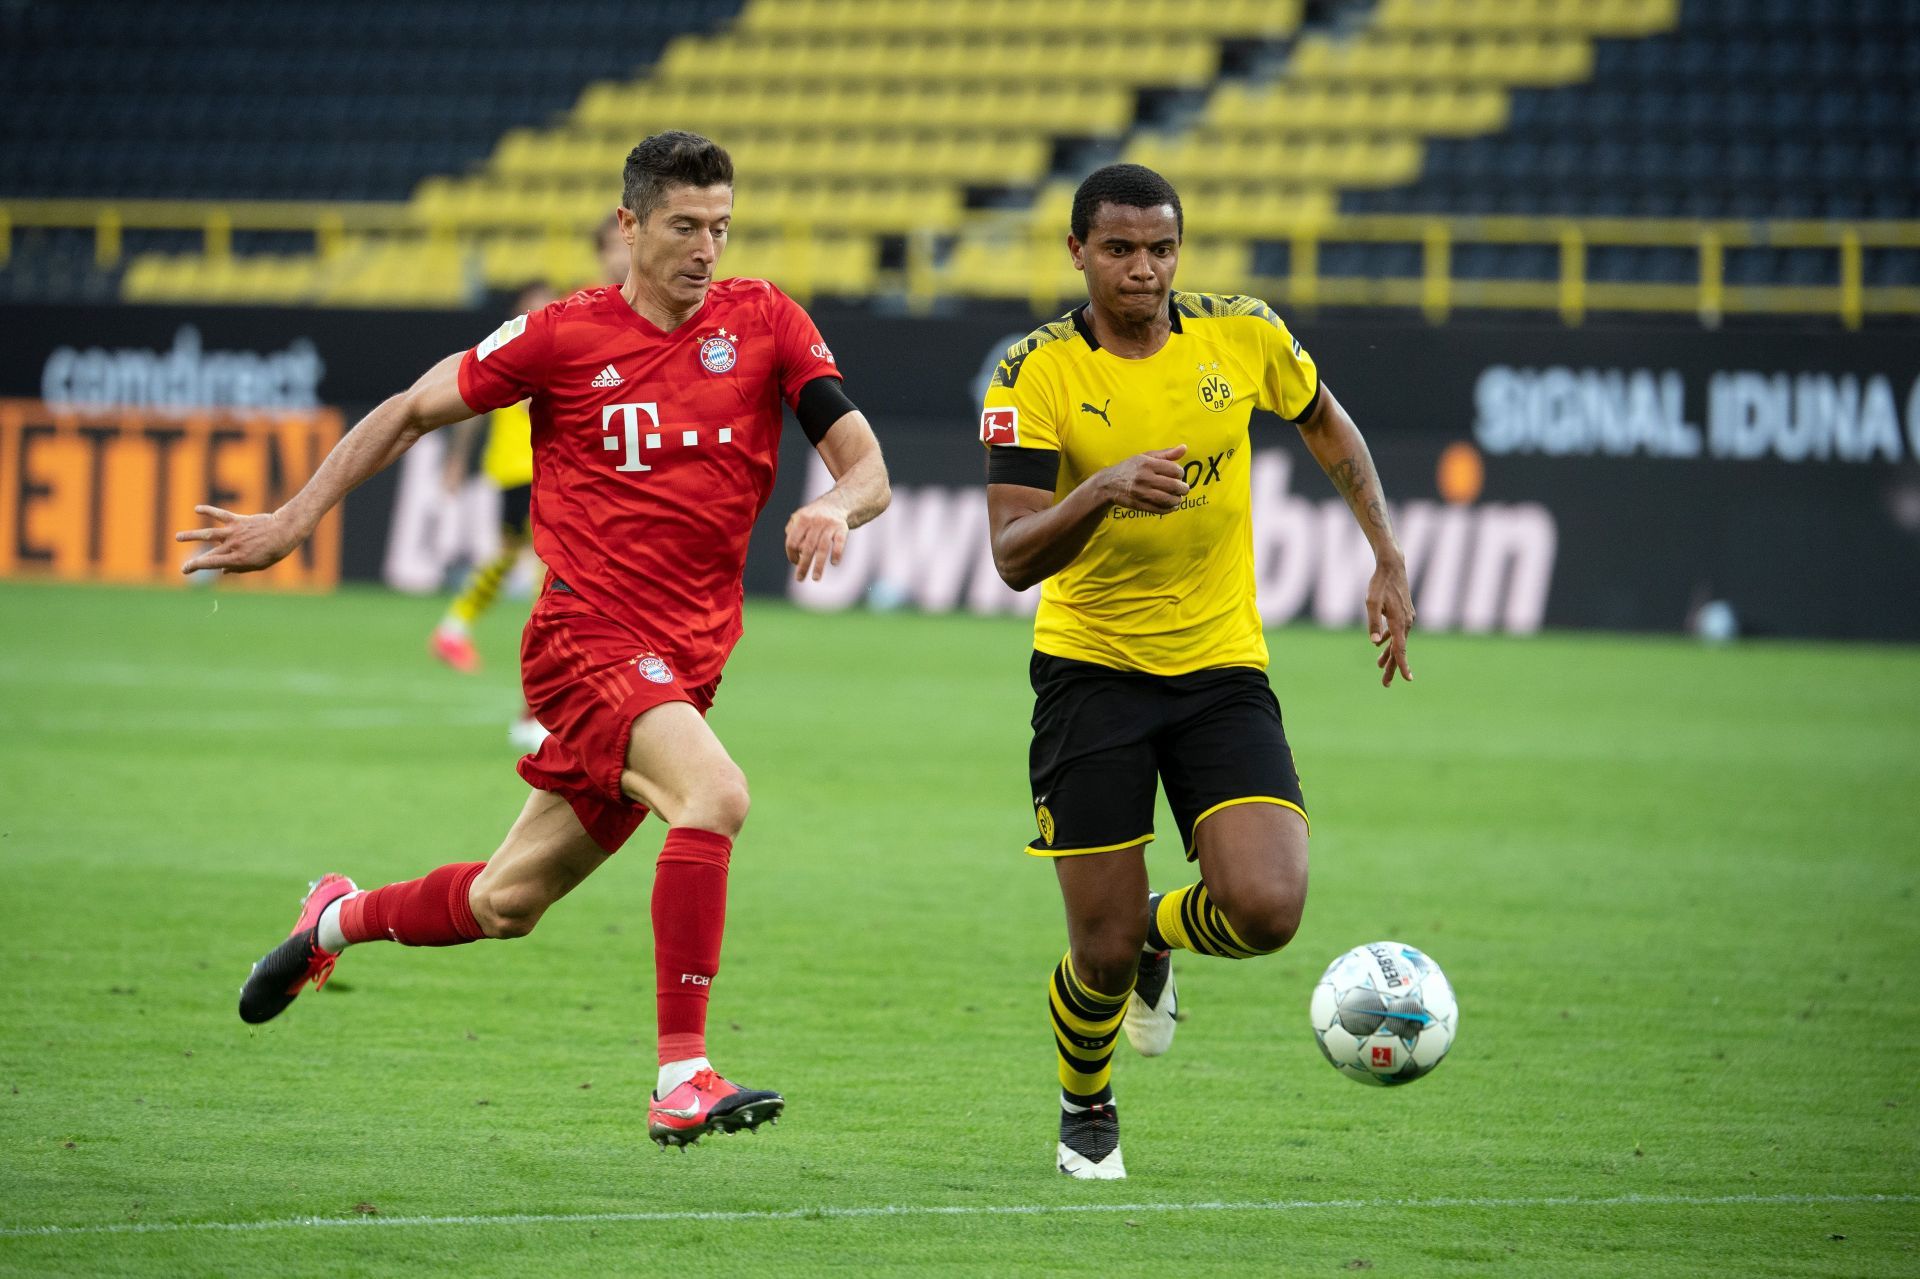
x=1074 y=250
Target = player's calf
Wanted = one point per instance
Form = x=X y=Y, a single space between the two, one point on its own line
x=505 y=911
x=1085 y=1022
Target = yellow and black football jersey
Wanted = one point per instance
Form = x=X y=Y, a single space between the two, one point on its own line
x=508 y=460
x=1171 y=593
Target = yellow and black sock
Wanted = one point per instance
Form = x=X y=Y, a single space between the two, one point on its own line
x=482 y=585
x=1084 y=1024
x=1187 y=919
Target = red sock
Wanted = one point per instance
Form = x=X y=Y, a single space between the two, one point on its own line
x=433 y=911
x=689 y=915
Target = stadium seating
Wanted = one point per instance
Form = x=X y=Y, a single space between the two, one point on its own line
x=931 y=146
x=856 y=127
x=1744 y=109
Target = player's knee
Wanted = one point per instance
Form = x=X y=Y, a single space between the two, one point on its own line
x=1265 y=919
x=720 y=805
x=507 y=911
x=1107 y=964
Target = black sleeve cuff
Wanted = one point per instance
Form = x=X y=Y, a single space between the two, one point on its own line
x=1306 y=412
x=822 y=402
x=1029 y=468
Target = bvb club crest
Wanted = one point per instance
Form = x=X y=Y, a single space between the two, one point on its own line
x=1046 y=824
x=651 y=668
x=718 y=353
x=1216 y=393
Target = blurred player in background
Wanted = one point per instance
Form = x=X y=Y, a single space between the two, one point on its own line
x=1117 y=474
x=508 y=465
x=656 y=428
x=610 y=250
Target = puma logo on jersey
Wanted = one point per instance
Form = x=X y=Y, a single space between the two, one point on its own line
x=607 y=377
x=1100 y=412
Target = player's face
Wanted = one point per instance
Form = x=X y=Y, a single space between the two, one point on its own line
x=675 y=250
x=1129 y=256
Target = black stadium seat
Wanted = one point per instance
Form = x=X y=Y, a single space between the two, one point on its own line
x=243 y=100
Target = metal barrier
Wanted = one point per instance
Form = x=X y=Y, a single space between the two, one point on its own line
x=1436 y=290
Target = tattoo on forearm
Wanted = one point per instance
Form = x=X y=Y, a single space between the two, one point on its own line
x=1354 y=488
x=1345 y=475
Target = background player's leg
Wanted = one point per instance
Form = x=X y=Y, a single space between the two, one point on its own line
x=679 y=769
x=452 y=640
x=1252 y=889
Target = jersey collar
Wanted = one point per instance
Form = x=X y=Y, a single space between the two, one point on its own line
x=1085 y=327
x=652 y=330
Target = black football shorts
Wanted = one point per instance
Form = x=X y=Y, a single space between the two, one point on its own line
x=516 y=509
x=1101 y=737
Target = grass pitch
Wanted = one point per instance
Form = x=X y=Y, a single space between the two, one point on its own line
x=1675 y=888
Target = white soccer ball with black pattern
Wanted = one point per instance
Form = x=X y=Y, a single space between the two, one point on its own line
x=1384 y=1014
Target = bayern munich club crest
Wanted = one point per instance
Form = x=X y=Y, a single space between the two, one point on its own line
x=652 y=668
x=718 y=353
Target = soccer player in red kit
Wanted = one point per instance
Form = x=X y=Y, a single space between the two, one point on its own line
x=656 y=410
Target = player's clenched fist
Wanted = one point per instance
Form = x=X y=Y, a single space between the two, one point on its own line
x=1148 y=481
x=238 y=543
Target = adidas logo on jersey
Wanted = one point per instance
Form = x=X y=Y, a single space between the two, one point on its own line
x=607 y=377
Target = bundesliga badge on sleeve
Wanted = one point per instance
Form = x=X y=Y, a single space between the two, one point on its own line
x=1000 y=426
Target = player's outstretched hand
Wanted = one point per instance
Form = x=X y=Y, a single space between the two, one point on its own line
x=816 y=536
x=237 y=543
x=1390 y=617
x=1148 y=481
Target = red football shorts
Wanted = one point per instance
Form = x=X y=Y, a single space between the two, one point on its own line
x=587 y=678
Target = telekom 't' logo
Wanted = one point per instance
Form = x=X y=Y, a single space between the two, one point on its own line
x=624 y=435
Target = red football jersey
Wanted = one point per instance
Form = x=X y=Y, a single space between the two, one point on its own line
x=653 y=452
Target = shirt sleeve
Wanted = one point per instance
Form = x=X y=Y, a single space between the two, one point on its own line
x=800 y=354
x=1289 y=379
x=510 y=364
x=1020 y=409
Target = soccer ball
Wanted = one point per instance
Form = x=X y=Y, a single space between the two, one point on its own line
x=1384 y=1014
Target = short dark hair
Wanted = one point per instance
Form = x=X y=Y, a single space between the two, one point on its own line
x=1134 y=185
x=670 y=159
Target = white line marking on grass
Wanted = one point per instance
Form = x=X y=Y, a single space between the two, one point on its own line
x=950 y=1210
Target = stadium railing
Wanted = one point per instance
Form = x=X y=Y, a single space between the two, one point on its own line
x=1025 y=259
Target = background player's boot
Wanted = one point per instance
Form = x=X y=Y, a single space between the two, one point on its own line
x=454 y=647
x=1151 y=1009
x=288 y=967
x=707 y=1103
x=1090 y=1144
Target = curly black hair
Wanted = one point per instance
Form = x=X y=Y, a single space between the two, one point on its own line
x=668 y=159
x=1134 y=185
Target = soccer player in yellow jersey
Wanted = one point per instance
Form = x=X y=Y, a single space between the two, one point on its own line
x=1117 y=476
